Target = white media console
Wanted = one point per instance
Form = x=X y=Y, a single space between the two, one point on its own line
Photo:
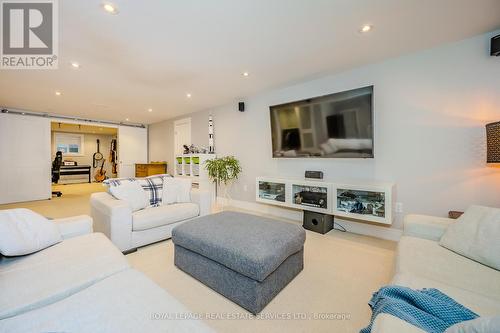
x=371 y=202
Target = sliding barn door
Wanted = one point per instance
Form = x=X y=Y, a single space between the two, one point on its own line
x=25 y=161
x=132 y=149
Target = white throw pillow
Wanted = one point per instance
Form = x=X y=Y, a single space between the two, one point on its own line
x=23 y=231
x=132 y=193
x=176 y=190
x=478 y=325
x=476 y=235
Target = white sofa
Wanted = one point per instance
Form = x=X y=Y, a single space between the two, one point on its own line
x=422 y=263
x=129 y=230
x=84 y=284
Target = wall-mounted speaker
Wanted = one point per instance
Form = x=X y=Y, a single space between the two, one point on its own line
x=241 y=106
x=314 y=174
x=495 y=46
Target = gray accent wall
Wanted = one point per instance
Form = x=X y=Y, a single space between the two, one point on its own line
x=430 y=109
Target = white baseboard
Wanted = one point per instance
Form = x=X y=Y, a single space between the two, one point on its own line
x=296 y=215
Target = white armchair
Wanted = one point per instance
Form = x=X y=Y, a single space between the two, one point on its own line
x=129 y=230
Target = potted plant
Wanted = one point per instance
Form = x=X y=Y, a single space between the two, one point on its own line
x=223 y=171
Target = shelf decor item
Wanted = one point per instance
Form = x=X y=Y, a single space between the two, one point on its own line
x=493 y=143
x=223 y=171
x=211 y=147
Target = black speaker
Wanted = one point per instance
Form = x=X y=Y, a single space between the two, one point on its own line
x=317 y=222
x=241 y=106
x=495 y=46
x=314 y=174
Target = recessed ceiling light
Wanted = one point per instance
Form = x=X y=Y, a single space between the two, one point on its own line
x=188 y=95
x=245 y=74
x=126 y=119
x=366 y=28
x=58 y=93
x=150 y=110
x=75 y=65
x=110 y=8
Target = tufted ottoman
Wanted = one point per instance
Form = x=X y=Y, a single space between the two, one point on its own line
x=246 y=258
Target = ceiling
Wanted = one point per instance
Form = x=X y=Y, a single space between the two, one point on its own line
x=88 y=129
x=154 y=52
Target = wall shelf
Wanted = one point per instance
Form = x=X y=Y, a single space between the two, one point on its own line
x=192 y=166
x=371 y=202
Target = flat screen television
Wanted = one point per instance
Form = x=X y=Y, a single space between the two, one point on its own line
x=338 y=125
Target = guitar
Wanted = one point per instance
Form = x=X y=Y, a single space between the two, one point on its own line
x=97 y=156
x=112 y=156
x=100 y=174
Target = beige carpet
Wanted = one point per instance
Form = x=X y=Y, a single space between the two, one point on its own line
x=74 y=201
x=341 y=272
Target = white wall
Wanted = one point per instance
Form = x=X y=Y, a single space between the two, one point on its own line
x=430 y=111
x=25 y=169
x=161 y=148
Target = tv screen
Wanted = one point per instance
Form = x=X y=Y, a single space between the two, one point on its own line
x=338 y=125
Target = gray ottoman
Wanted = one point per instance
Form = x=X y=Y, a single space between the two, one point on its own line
x=246 y=258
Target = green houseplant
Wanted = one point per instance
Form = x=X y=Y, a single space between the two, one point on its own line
x=223 y=171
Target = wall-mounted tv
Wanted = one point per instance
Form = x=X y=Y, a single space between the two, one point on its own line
x=338 y=125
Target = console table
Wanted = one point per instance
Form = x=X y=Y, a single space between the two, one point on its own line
x=67 y=170
x=150 y=169
x=371 y=202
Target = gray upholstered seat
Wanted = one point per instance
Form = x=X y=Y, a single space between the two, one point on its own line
x=247 y=258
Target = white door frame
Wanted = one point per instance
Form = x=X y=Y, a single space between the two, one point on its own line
x=183 y=121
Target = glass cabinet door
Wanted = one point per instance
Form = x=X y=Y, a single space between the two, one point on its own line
x=312 y=196
x=272 y=191
x=361 y=202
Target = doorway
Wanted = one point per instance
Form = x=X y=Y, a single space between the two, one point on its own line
x=182 y=135
x=89 y=153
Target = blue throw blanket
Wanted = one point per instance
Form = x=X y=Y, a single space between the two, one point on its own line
x=428 y=309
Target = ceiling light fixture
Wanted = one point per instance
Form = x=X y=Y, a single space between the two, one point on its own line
x=126 y=119
x=110 y=8
x=188 y=95
x=150 y=110
x=366 y=28
x=58 y=93
x=75 y=65
x=245 y=74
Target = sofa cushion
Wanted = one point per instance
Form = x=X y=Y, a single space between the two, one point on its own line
x=162 y=215
x=425 y=258
x=125 y=302
x=476 y=235
x=251 y=245
x=176 y=190
x=47 y=276
x=153 y=185
x=132 y=193
x=22 y=231
x=386 y=323
x=480 y=304
x=479 y=325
